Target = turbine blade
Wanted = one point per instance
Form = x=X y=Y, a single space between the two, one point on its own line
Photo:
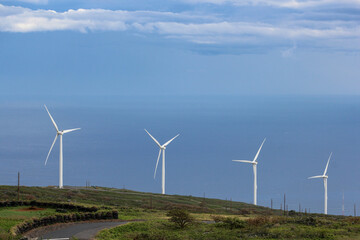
x=52 y=145
x=71 y=130
x=56 y=127
x=244 y=161
x=315 y=177
x=153 y=138
x=257 y=154
x=157 y=162
x=327 y=164
x=168 y=142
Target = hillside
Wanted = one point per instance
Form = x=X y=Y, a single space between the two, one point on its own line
x=212 y=218
x=122 y=198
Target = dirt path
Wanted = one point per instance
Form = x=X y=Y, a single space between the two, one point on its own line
x=80 y=230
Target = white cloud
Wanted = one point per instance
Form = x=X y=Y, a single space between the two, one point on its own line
x=200 y=29
x=29 y=1
x=280 y=3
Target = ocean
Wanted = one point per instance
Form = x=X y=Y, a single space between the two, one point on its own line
x=113 y=150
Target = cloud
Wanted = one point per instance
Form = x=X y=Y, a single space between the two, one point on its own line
x=197 y=28
x=30 y=1
x=280 y=3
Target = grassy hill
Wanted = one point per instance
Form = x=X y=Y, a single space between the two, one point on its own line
x=122 y=198
x=233 y=220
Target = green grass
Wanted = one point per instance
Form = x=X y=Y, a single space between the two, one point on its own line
x=131 y=205
x=122 y=198
x=14 y=213
x=253 y=221
x=254 y=228
x=11 y=216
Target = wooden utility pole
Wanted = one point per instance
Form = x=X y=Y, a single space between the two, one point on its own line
x=271 y=204
x=18 y=186
x=284 y=204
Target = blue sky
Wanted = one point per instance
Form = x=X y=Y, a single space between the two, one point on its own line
x=179 y=47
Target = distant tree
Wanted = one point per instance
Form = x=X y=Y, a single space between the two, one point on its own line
x=180 y=217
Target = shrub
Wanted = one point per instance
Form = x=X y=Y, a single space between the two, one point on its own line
x=310 y=221
x=292 y=213
x=233 y=223
x=61 y=210
x=180 y=217
x=353 y=220
x=258 y=221
x=217 y=218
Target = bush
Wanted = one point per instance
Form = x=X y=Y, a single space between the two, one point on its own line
x=233 y=223
x=217 y=218
x=310 y=221
x=61 y=210
x=258 y=221
x=180 y=217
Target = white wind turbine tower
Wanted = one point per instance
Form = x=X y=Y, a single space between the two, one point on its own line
x=324 y=177
x=58 y=133
x=254 y=163
x=162 y=148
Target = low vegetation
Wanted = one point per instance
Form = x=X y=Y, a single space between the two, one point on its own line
x=163 y=217
x=180 y=217
x=17 y=217
x=275 y=227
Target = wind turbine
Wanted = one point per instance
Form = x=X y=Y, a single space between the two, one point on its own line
x=254 y=163
x=58 y=133
x=324 y=177
x=162 y=149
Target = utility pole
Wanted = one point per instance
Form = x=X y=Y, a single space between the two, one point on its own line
x=284 y=204
x=354 y=209
x=18 y=186
x=343 y=205
x=271 y=204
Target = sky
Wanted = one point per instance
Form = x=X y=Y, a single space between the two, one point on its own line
x=180 y=47
x=222 y=73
